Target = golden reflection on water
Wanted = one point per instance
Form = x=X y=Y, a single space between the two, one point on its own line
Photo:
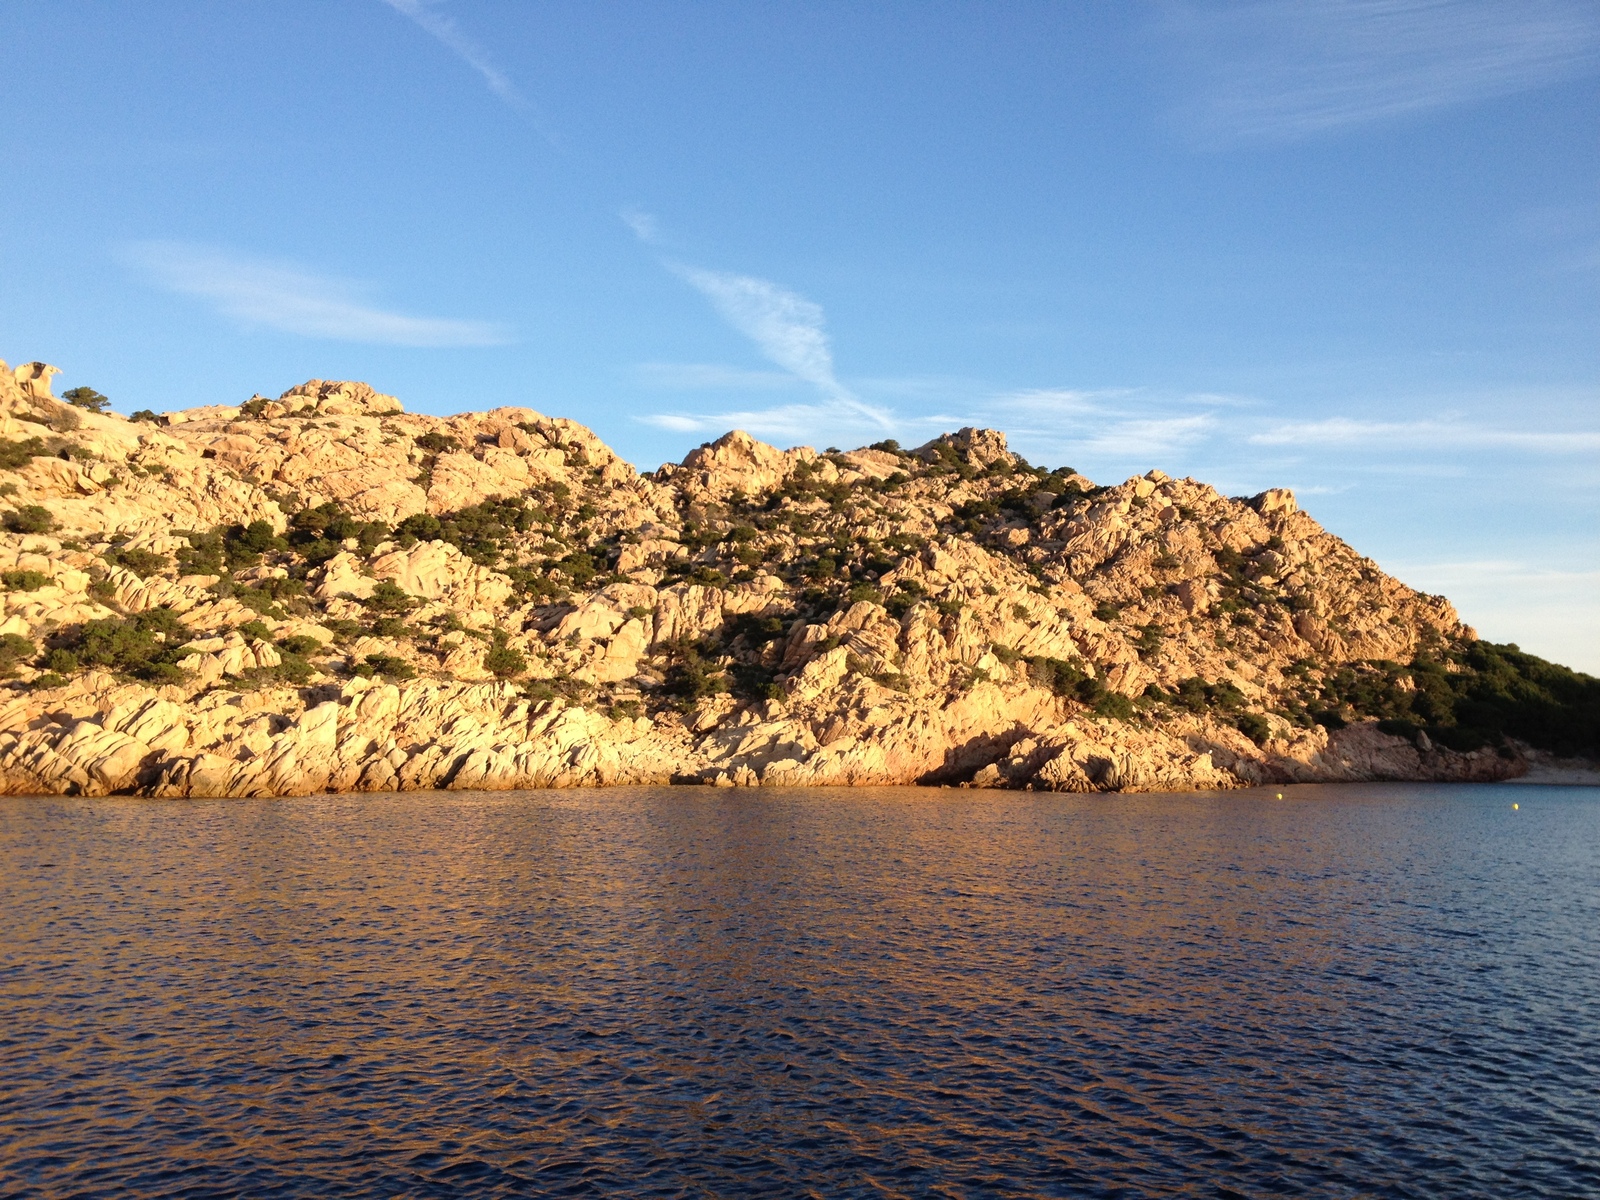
x=840 y=992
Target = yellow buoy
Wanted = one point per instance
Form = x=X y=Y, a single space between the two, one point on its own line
x=1514 y=807
x=1280 y=795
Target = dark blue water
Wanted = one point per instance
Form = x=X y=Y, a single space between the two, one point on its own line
x=1377 y=991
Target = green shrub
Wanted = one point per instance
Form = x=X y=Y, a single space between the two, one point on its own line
x=299 y=644
x=30 y=518
x=14 y=649
x=1114 y=705
x=391 y=665
x=144 y=414
x=292 y=668
x=435 y=442
x=203 y=556
x=143 y=563
x=244 y=545
x=19 y=454
x=87 y=398
x=503 y=661
x=146 y=646
x=318 y=533
x=757 y=630
x=256 y=630
x=1198 y=696
x=24 y=581
x=388 y=597
x=1254 y=726
x=480 y=531
x=690 y=678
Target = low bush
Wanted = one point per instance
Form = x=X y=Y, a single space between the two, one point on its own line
x=1474 y=694
x=390 y=665
x=19 y=454
x=143 y=563
x=14 y=649
x=435 y=442
x=388 y=598
x=503 y=661
x=1254 y=726
x=30 y=518
x=147 y=646
x=24 y=581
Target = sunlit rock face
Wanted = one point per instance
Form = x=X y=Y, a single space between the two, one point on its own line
x=324 y=592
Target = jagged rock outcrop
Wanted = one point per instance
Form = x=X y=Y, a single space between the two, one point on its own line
x=322 y=591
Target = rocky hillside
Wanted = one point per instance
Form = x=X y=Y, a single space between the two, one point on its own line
x=323 y=591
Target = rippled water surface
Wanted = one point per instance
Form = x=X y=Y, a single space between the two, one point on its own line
x=1387 y=990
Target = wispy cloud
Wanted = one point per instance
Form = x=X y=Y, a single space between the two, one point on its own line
x=1284 y=70
x=444 y=29
x=1111 y=426
x=786 y=327
x=832 y=423
x=690 y=377
x=789 y=330
x=261 y=293
x=1147 y=436
x=644 y=225
x=1436 y=434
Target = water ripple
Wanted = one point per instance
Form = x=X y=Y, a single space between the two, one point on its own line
x=1381 y=991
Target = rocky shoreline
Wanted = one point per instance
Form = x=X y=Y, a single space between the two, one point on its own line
x=324 y=593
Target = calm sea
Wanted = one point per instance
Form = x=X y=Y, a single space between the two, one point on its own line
x=1365 y=991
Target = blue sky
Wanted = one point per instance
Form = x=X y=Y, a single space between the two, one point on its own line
x=1352 y=248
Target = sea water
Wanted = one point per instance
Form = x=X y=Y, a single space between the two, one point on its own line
x=1384 y=990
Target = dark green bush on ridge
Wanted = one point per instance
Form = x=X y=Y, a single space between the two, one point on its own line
x=87 y=398
x=1494 y=692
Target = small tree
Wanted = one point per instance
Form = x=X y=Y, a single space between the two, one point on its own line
x=84 y=397
x=502 y=660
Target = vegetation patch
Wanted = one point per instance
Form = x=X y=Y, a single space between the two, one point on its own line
x=1475 y=694
x=147 y=646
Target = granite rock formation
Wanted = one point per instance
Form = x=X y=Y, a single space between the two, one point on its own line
x=324 y=592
